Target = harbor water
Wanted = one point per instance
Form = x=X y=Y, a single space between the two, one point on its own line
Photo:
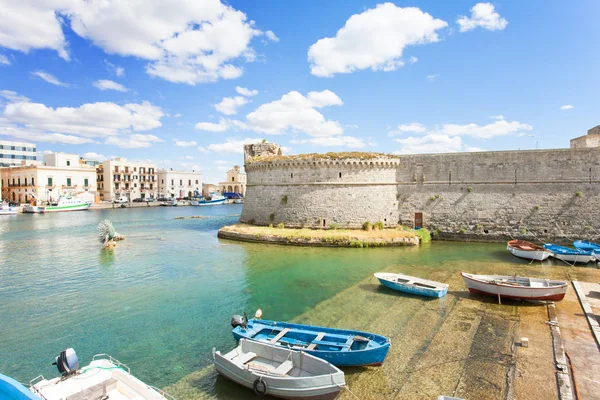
x=163 y=298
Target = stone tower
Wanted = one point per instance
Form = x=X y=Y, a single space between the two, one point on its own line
x=261 y=149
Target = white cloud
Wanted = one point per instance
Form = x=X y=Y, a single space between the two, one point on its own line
x=106 y=84
x=566 y=107
x=413 y=127
x=229 y=105
x=134 y=141
x=202 y=149
x=483 y=15
x=87 y=120
x=432 y=77
x=374 y=39
x=497 y=116
x=221 y=162
x=333 y=141
x=183 y=143
x=413 y=59
x=432 y=143
x=4 y=60
x=271 y=36
x=112 y=68
x=245 y=91
x=94 y=156
x=232 y=145
x=49 y=78
x=497 y=128
x=13 y=97
x=297 y=113
x=178 y=115
x=222 y=126
x=30 y=25
x=351 y=126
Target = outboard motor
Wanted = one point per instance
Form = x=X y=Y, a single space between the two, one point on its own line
x=238 y=320
x=67 y=362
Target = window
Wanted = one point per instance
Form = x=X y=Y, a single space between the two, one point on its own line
x=162 y=181
x=135 y=185
x=180 y=182
x=49 y=181
x=172 y=182
x=19 y=182
x=233 y=179
x=116 y=169
x=68 y=163
x=292 y=175
x=32 y=181
x=134 y=169
x=68 y=181
x=340 y=174
x=86 y=182
x=196 y=181
x=190 y=182
x=151 y=186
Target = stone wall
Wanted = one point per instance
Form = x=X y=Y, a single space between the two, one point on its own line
x=545 y=194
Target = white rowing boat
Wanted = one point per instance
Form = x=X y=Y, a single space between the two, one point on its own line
x=527 y=250
x=280 y=372
x=515 y=287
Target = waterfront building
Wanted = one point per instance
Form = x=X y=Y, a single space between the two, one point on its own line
x=17 y=153
x=179 y=184
x=592 y=139
x=235 y=183
x=59 y=174
x=123 y=178
x=208 y=188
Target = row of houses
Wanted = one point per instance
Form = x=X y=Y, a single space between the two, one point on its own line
x=24 y=177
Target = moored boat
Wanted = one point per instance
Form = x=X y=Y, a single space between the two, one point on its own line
x=341 y=347
x=28 y=208
x=412 y=285
x=584 y=245
x=280 y=372
x=169 y=203
x=570 y=255
x=212 y=200
x=527 y=250
x=515 y=287
x=5 y=209
x=67 y=203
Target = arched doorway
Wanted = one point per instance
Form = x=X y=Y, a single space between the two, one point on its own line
x=236 y=189
x=229 y=189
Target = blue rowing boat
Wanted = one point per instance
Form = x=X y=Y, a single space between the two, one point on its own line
x=412 y=285
x=590 y=246
x=570 y=255
x=342 y=348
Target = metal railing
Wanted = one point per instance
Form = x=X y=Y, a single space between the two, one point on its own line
x=103 y=356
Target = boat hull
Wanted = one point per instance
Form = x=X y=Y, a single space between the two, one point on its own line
x=8 y=212
x=208 y=203
x=78 y=207
x=536 y=255
x=324 y=385
x=588 y=246
x=334 y=351
x=10 y=389
x=387 y=281
x=475 y=286
x=575 y=258
x=27 y=208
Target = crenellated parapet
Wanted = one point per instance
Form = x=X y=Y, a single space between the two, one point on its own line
x=307 y=163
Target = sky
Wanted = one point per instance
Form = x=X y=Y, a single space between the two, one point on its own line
x=185 y=83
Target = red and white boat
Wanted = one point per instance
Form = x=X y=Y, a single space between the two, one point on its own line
x=527 y=250
x=515 y=287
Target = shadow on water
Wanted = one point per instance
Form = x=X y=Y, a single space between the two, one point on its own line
x=106 y=257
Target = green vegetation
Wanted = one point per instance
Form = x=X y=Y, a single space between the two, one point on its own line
x=280 y=225
x=270 y=225
x=334 y=226
x=462 y=230
x=431 y=198
x=523 y=231
x=284 y=199
x=319 y=157
x=469 y=189
x=537 y=207
x=367 y=226
x=424 y=235
x=578 y=194
x=378 y=225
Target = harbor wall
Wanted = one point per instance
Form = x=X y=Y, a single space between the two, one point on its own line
x=545 y=194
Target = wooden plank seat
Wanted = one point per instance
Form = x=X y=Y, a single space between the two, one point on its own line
x=244 y=358
x=313 y=345
x=279 y=335
x=284 y=368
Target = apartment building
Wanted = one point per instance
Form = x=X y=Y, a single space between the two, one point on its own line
x=236 y=181
x=123 y=178
x=17 y=153
x=58 y=175
x=179 y=184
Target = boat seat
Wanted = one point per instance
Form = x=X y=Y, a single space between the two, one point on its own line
x=318 y=338
x=284 y=368
x=244 y=358
x=94 y=391
x=279 y=335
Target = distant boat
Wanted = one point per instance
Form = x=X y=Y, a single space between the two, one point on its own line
x=515 y=287
x=212 y=200
x=280 y=372
x=412 y=285
x=338 y=346
x=169 y=203
x=527 y=250
x=68 y=203
x=570 y=255
x=590 y=246
x=5 y=209
x=28 y=208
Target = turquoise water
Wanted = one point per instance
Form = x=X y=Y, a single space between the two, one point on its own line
x=162 y=299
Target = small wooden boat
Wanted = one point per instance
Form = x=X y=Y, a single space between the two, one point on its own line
x=527 y=250
x=279 y=372
x=412 y=285
x=340 y=347
x=570 y=255
x=515 y=287
x=103 y=378
x=590 y=246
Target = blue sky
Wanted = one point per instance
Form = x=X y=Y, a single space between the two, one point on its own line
x=185 y=83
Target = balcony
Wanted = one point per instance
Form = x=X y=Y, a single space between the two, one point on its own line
x=69 y=187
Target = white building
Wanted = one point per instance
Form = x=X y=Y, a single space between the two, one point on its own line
x=236 y=181
x=123 y=178
x=17 y=153
x=59 y=175
x=179 y=184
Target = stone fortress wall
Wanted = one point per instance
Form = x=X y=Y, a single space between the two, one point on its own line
x=534 y=194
